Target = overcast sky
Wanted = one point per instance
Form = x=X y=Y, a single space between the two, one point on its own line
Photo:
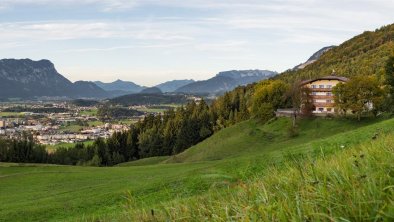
x=151 y=41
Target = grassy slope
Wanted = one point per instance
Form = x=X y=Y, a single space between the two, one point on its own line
x=144 y=162
x=355 y=184
x=250 y=138
x=66 y=193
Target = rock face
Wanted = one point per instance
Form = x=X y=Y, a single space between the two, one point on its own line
x=226 y=81
x=313 y=58
x=173 y=85
x=26 y=78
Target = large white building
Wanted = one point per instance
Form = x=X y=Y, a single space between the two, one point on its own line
x=321 y=93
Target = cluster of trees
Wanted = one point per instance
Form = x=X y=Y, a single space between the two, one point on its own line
x=22 y=151
x=363 y=95
x=46 y=109
x=144 y=99
x=105 y=112
x=359 y=95
x=84 y=102
x=389 y=82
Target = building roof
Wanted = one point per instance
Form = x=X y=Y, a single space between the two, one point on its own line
x=339 y=78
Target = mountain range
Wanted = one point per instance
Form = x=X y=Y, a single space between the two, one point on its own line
x=119 y=85
x=225 y=81
x=26 y=78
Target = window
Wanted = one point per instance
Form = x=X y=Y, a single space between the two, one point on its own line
x=329 y=109
x=321 y=86
x=314 y=86
x=329 y=94
x=315 y=101
x=329 y=86
x=314 y=93
x=328 y=101
x=321 y=109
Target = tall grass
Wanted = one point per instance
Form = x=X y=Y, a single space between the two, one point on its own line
x=353 y=184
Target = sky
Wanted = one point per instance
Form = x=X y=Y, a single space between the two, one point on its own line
x=152 y=41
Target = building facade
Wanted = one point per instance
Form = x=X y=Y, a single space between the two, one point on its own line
x=321 y=93
x=2 y=124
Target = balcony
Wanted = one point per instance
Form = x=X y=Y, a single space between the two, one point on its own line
x=321 y=89
x=322 y=97
x=324 y=104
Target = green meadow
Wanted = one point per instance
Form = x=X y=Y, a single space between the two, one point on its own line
x=247 y=172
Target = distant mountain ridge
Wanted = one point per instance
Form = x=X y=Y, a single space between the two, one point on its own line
x=226 y=81
x=171 y=86
x=25 y=78
x=121 y=85
x=151 y=90
x=314 y=57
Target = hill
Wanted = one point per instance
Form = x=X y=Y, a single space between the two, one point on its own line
x=365 y=54
x=26 y=78
x=120 y=86
x=151 y=90
x=88 y=193
x=171 y=86
x=148 y=99
x=226 y=81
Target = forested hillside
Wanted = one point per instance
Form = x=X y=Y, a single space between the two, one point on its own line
x=365 y=54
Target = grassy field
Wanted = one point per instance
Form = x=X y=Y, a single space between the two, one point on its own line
x=72 y=128
x=66 y=145
x=146 y=161
x=239 y=156
x=158 y=110
x=90 y=112
x=13 y=114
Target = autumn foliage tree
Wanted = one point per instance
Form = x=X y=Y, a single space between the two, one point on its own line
x=359 y=95
x=268 y=96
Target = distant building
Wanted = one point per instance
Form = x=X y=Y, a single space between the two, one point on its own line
x=2 y=124
x=321 y=93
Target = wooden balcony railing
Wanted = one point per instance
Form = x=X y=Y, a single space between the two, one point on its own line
x=324 y=104
x=322 y=97
x=321 y=89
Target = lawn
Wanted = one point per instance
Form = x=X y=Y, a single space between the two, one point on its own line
x=242 y=153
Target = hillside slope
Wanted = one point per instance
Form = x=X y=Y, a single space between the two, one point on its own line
x=251 y=138
x=352 y=184
x=365 y=54
x=68 y=193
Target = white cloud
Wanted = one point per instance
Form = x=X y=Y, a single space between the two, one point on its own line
x=65 y=30
x=114 y=48
x=104 y=5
